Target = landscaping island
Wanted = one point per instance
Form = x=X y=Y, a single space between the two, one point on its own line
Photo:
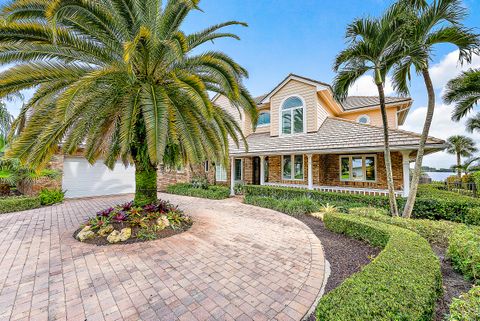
x=126 y=223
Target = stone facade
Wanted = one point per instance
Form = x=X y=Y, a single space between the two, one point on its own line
x=167 y=177
x=33 y=188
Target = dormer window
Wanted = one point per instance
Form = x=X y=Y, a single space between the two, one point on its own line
x=263 y=119
x=292 y=120
x=363 y=119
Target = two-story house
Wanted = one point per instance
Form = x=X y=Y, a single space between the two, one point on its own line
x=305 y=138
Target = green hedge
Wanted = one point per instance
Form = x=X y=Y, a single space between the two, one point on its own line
x=466 y=307
x=402 y=283
x=436 y=232
x=464 y=252
x=18 y=203
x=215 y=192
x=431 y=203
x=295 y=207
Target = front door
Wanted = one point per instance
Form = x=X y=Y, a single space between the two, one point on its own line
x=256 y=171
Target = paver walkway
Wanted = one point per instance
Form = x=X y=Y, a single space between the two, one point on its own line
x=237 y=262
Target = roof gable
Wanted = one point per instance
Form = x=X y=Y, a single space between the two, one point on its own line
x=317 y=84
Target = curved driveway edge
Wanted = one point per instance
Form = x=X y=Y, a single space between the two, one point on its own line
x=237 y=262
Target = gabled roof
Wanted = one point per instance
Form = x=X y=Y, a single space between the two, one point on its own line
x=335 y=135
x=318 y=84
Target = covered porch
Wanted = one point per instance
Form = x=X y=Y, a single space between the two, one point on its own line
x=361 y=172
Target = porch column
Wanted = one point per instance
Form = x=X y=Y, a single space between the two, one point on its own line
x=232 y=176
x=262 y=170
x=310 y=172
x=406 y=172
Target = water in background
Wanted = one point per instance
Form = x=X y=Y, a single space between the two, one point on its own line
x=439 y=176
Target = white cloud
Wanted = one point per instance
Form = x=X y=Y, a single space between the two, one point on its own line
x=449 y=68
x=442 y=127
x=365 y=86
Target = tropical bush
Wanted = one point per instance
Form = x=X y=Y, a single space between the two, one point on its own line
x=432 y=203
x=466 y=307
x=464 y=252
x=51 y=196
x=18 y=203
x=215 y=192
x=294 y=206
x=401 y=283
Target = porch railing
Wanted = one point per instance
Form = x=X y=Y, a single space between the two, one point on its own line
x=339 y=189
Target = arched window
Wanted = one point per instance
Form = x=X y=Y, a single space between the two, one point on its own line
x=263 y=119
x=363 y=119
x=292 y=116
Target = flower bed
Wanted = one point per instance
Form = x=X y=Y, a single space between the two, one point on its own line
x=127 y=223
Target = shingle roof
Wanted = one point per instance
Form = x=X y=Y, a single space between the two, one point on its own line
x=334 y=134
x=355 y=102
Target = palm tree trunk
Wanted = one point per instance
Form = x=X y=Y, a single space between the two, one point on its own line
x=387 y=156
x=459 y=168
x=145 y=171
x=407 y=211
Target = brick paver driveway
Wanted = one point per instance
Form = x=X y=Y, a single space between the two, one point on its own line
x=237 y=262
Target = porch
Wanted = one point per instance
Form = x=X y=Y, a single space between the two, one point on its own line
x=358 y=173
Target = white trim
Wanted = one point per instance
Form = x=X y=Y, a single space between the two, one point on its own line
x=280 y=118
x=366 y=116
x=262 y=170
x=241 y=169
x=310 y=171
x=283 y=83
x=292 y=168
x=406 y=172
x=363 y=156
x=232 y=176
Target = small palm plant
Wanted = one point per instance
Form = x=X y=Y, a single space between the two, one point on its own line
x=121 y=80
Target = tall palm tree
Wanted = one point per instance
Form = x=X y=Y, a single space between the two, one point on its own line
x=373 y=48
x=6 y=120
x=464 y=91
x=425 y=27
x=461 y=146
x=120 y=79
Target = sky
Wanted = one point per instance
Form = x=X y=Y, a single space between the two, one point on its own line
x=303 y=37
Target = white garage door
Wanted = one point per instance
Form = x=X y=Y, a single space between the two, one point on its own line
x=80 y=179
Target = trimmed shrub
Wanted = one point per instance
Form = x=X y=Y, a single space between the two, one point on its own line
x=51 y=196
x=215 y=192
x=436 y=232
x=18 y=203
x=431 y=203
x=466 y=307
x=464 y=252
x=401 y=283
x=295 y=206
x=473 y=216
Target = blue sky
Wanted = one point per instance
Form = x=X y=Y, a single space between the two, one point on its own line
x=303 y=37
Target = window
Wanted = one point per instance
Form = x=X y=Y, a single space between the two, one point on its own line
x=292 y=166
x=358 y=168
x=220 y=173
x=363 y=119
x=263 y=119
x=238 y=169
x=207 y=167
x=292 y=116
x=265 y=169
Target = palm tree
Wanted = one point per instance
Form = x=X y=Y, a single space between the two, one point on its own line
x=473 y=123
x=425 y=27
x=120 y=79
x=461 y=146
x=469 y=165
x=464 y=91
x=373 y=47
x=6 y=120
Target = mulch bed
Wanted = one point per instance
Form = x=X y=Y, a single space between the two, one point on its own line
x=454 y=284
x=347 y=256
x=159 y=235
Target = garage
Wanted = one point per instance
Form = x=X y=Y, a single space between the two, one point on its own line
x=80 y=179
